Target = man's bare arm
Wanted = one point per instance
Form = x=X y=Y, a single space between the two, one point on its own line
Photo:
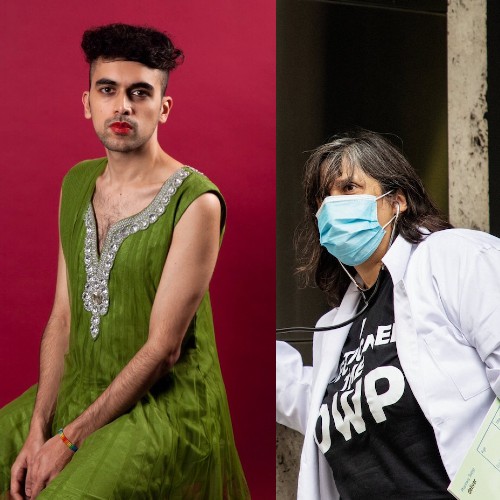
x=52 y=349
x=185 y=279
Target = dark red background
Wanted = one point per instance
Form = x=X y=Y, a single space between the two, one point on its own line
x=223 y=123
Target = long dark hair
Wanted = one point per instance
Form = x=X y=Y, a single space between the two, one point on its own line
x=378 y=158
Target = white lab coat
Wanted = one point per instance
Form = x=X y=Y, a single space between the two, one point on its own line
x=447 y=327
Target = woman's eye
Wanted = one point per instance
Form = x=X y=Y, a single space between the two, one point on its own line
x=350 y=187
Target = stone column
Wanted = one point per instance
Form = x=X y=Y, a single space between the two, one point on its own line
x=288 y=448
x=467 y=125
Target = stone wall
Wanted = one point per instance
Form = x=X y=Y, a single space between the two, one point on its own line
x=288 y=447
x=467 y=125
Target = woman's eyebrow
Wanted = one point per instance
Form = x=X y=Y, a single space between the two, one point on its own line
x=341 y=182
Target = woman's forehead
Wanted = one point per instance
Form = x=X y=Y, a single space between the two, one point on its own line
x=346 y=172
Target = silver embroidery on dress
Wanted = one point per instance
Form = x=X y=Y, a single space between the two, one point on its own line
x=96 y=295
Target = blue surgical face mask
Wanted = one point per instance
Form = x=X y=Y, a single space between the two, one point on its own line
x=349 y=228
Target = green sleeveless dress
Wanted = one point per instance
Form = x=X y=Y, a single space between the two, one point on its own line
x=177 y=441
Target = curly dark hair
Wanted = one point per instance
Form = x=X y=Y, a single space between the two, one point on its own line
x=132 y=43
x=378 y=158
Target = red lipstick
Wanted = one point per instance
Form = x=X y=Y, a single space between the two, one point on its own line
x=121 y=128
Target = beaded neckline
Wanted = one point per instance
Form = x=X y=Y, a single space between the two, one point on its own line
x=98 y=268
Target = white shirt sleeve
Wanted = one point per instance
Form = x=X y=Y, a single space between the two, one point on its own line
x=293 y=388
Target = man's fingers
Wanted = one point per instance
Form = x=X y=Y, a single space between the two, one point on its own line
x=37 y=485
x=17 y=476
x=28 y=485
x=17 y=493
x=36 y=479
x=36 y=489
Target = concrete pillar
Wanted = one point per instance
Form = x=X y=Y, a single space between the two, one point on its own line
x=288 y=448
x=467 y=125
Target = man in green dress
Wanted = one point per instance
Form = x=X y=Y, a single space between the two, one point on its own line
x=130 y=401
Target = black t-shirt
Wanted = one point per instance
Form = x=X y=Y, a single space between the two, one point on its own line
x=371 y=429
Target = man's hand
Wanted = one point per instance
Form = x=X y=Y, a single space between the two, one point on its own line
x=50 y=459
x=19 y=469
x=53 y=347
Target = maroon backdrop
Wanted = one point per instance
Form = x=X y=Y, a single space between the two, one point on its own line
x=223 y=123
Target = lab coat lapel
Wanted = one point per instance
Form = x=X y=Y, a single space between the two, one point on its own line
x=334 y=340
x=331 y=347
x=407 y=344
x=396 y=261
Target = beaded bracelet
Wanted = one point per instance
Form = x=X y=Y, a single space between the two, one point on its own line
x=67 y=442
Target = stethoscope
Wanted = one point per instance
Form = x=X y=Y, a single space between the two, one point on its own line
x=368 y=301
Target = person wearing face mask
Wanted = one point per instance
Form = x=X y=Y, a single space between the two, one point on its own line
x=394 y=397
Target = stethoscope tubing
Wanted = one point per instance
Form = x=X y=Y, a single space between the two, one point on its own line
x=333 y=327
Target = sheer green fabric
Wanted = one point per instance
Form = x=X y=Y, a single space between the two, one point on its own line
x=177 y=441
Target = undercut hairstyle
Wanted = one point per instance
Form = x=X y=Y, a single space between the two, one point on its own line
x=124 y=42
x=378 y=158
